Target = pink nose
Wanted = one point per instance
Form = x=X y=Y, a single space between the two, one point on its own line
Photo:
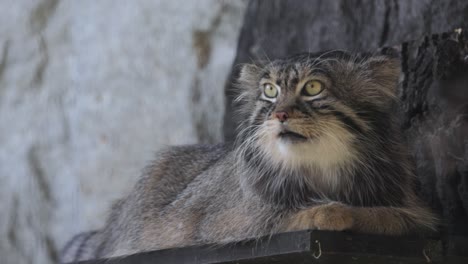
x=282 y=116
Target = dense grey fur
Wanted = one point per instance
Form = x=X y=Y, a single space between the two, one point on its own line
x=227 y=192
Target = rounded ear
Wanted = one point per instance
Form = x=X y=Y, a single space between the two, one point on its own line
x=249 y=72
x=247 y=80
x=385 y=71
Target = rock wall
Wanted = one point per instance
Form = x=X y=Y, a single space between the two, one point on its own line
x=434 y=102
x=89 y=90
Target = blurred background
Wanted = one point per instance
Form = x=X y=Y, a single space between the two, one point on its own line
x=89 y=91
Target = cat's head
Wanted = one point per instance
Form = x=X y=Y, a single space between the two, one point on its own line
x=312 y=110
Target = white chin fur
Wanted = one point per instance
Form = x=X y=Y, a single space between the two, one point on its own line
x=328 y=152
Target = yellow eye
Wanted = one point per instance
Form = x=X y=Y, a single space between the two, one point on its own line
x=270 y=90
x=312 y=88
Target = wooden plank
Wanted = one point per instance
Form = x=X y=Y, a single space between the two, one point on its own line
x=311 y=247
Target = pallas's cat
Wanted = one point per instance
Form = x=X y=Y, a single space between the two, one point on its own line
x=319 y=147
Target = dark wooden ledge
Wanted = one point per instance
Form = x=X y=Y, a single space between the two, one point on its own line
x=312 y=247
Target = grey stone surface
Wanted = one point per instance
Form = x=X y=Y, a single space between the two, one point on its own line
x=89 y=90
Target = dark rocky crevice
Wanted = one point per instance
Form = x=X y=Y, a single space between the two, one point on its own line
x=51 y=249
x=3 y=57
x=11 y=233
x=38 y=173
x=41 y=15
x=386 y=25
x=201 y=39
x=43 y=62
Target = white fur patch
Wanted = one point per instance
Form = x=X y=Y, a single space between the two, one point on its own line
x=329 y=154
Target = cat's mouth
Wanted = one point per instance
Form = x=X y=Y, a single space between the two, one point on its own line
x=292 y=136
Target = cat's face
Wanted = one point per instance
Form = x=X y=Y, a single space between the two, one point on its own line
x=310 y=110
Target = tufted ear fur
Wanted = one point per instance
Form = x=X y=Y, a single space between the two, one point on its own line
x=385 y=72
x=246 y=88
x=247 y=82
x=249 y=73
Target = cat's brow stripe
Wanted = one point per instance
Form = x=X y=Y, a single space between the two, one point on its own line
x=347 y=120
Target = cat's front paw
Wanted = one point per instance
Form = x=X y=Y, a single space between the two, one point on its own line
x=332 y=216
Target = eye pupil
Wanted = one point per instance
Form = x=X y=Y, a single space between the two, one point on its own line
x=270 y=91
x=312 y=88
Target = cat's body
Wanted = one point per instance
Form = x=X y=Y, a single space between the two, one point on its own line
x=320 y=149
